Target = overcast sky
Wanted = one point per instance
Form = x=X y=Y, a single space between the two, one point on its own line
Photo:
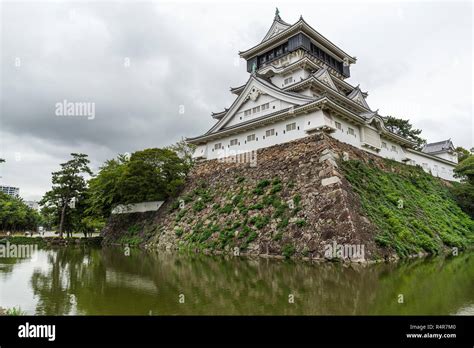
x=143 y=62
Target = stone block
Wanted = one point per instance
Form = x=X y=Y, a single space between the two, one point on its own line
x=326 y=157
x=330 y=181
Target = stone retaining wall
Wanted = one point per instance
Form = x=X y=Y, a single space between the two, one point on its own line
x=329 y=211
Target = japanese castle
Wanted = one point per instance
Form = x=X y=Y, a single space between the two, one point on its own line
x=298 y=86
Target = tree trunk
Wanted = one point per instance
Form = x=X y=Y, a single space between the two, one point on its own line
x=61 y=223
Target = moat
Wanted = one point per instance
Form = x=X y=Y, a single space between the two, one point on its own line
x=105 y=281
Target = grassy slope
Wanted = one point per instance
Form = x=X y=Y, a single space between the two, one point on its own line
x=414 y=211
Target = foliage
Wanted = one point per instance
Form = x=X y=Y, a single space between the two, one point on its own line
x=15 y=311
x=149 y=175
x=405 y=129
x=464 y=191
x=134 y=235
x=465 y=170
x=16 y=216
x=300 y=223
x=185 y=151
x=462 y=153
x=69 y=187
x=90 y=224
x=288 y=250
x=105 y=191
x=413 y=210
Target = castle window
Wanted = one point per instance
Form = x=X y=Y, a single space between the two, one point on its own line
x=288 y=80
x=233 y=142
x=394 y=148
x=265 y=106
x=217 y=146
x=291 y=126
x=247 y=112
x=384 y=145
x=251 y=137
x=256 y=109
x=350 y=131
x=338 y=125
x=270 y=132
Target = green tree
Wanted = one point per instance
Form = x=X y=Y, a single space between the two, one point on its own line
x=163 y=167
x=148 y=175
x=405 y=129
x=105 y=190
x=69 y=187
x=462 y=153
x=184 y=150
x=16 y=216
x=464 y=191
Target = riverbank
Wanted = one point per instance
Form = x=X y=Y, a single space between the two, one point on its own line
x=51 y=241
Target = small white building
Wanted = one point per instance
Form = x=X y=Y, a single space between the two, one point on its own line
x=297 y=87
x=10 y=190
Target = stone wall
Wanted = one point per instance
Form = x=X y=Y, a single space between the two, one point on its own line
x=305 y=206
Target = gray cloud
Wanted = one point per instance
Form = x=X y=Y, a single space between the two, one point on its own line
x=414 y=60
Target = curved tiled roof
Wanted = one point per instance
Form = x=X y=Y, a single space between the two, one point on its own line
x=439 y=146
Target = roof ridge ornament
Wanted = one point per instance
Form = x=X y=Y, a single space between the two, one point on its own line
x=277 y=14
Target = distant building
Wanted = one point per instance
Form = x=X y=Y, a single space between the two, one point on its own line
x=33 y=205
x=10 y=190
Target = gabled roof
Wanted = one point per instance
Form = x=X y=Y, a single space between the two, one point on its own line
x=277 y=26
x=302 y=26
x=342 y=96
x=309 y=61
x=440 y=146
x=373 y=118
x=358 y=96
x=253 y=88
x=325 y=77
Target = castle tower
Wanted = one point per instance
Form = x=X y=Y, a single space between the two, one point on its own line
x=297 y=86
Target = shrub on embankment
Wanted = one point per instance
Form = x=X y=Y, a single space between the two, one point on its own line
x=414 y=211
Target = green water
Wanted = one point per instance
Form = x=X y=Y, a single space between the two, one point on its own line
x=89 y=281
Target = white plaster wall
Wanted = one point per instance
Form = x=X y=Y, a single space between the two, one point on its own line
x=344 y=136
x=436 y=168
x=281 y=136
x=275 y=105
x=397 y=155
x=298 y=75
x=448 y=156
x=200 y=152
x=137 y=207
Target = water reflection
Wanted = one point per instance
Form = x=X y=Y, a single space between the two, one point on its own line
x=79 y=280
